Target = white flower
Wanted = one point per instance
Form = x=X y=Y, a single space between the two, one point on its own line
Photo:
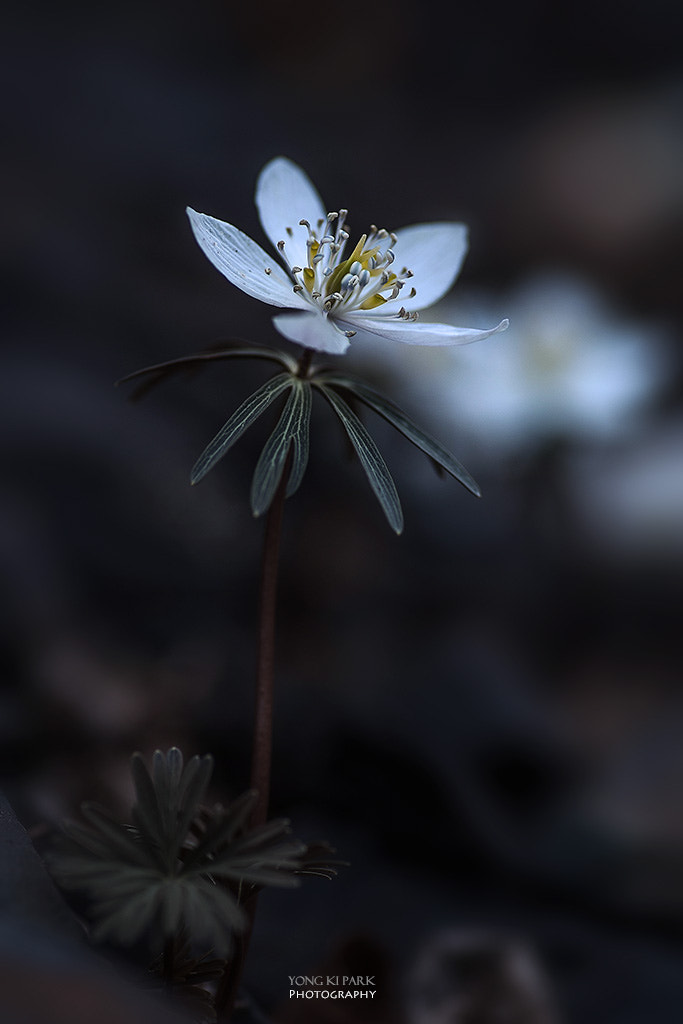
x=336 y=295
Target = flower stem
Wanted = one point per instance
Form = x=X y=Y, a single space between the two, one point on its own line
x=263 y=727
x=263 y=715
x=265 y=670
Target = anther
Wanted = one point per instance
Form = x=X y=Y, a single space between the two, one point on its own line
x=289 y=232
x=355 y=267
x=350 y=334
x=268 y=271
x=281 y=244
x=305 y=224
x=295 y=270
x=298 y=288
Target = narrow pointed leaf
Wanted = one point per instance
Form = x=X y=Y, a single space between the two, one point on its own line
x=118 y=838
x=162 y=784
x=264 y=835
x=371 y=460
x=405 y=425
x=241 y=419
x=300 y=438
x=222 y=832
x=85 y=839
x=195 y=780
x=285 y=879
x=146 y=811
x=174 y=761
x=160 y=371
x=291 y=431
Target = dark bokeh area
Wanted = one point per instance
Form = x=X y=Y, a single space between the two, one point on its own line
x=485 y=715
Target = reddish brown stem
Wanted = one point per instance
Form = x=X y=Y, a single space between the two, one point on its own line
x=265 y=670
x=263 y=715
x=263 y=726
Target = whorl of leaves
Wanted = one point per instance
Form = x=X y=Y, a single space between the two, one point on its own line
x=297 y=381
x=178 y=865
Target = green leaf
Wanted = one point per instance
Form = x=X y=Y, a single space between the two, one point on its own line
x=263 y=835
x=212 y=912
x=161 y=778
x=222 y=830
x=118 y=837
x=410 y=430
x=257 y=875
x=174 y=765
x=241 y=419
x=86 y=840
x=192 y=789
x=292 y=431
x=371 y=460
x=160 y=371
x=146 y=812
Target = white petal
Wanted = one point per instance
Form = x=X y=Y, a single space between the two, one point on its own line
x=418 y=333
x=284 y=196
x=243 y=262
x=313 y=331
x=434 y=253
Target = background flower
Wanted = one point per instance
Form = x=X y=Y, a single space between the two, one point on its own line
x=570 y=367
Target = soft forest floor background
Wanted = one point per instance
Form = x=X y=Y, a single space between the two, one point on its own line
x=485 y=715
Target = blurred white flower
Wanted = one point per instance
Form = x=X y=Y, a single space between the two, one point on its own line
x=569 y=366
x=338 y=296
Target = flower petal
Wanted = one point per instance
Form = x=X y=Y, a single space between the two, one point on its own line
x=418 y=333
x=313 y=331
x=434 y=253
x=243 y=262
x=284 y=196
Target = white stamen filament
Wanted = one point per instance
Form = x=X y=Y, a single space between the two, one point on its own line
x=366 y=285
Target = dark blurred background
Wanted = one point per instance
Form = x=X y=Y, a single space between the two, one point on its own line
x=485 y=715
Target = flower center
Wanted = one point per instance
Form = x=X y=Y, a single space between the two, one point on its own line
x=361 y=281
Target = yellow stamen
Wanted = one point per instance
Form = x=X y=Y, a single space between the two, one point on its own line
x=309 y=278
x=335 y=278
x=373 y=302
